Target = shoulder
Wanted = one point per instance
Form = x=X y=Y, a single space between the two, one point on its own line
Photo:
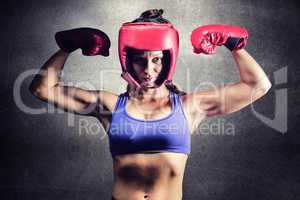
x=108 y=99
x=190 y=101
x=185 y=98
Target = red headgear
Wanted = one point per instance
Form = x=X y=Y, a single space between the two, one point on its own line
x=148 y=36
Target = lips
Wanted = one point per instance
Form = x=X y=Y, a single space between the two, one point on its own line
x=147 y=78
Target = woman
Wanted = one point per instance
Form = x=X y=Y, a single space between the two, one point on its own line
x=149 y=125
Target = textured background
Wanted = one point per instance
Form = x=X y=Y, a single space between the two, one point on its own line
x=50 y=156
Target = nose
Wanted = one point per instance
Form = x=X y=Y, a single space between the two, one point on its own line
x=149 y=68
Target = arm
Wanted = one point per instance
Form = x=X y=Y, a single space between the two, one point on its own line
x=253 y=84
x=46 y=87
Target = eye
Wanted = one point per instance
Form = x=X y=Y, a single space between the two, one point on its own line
x=157 y=60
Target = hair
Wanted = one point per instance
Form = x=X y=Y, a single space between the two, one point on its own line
x=155 y=15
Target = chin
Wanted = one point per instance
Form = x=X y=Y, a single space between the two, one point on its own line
x=148 y=85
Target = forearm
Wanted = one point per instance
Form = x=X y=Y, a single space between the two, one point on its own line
x=49 y=74
x=251 y=72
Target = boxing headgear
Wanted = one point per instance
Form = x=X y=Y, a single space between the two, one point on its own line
x=148 y=36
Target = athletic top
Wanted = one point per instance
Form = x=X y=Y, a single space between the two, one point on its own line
x=130 y=135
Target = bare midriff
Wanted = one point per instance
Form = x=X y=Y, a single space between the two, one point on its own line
x=149 y=176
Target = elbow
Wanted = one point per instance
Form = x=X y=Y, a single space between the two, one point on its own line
x=38 y=91
x=266 y=86
x=263 y=88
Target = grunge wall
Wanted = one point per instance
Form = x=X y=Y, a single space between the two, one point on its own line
x=48 y=154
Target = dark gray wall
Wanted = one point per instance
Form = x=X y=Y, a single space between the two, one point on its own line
x=50 y=156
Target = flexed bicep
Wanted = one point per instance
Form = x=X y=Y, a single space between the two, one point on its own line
x=77 y=100
x=227 y=99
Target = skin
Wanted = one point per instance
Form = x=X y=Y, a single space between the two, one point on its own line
x=157 y=175
x=145 y=65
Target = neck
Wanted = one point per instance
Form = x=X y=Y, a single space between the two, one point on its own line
x=151 y=94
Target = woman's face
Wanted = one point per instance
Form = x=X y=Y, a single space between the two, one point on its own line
x=147 y=66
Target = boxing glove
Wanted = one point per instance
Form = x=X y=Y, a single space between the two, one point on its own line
x=90 y=41
x=206 y=38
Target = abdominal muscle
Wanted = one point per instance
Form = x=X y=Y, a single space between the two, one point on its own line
x=148 y=176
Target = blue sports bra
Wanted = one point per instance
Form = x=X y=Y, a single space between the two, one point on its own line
x=130 y=135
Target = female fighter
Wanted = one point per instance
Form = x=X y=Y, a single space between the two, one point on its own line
x=149 y=125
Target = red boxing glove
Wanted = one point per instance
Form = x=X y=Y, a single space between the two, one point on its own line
x=91 y=41
x=206 y=38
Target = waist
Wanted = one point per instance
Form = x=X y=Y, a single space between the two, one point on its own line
x=151 y=175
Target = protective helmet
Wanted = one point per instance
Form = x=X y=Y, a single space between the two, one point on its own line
x=148 y=36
